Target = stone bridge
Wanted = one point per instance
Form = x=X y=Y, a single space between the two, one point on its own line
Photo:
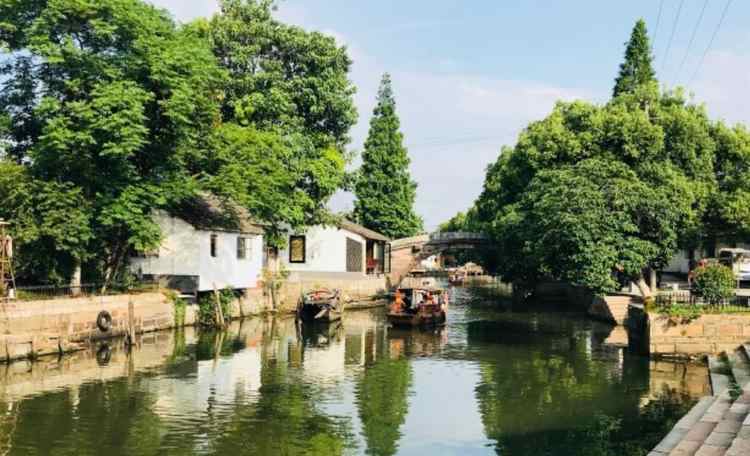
x=408 y=252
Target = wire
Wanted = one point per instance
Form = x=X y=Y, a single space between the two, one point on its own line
x=711 y=42
x=658 y=21
x=671 y=37
x=690 y=43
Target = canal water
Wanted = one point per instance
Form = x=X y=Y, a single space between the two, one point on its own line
x=493 y=381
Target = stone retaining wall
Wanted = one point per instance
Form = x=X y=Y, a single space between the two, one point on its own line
x=707 y=334
x=36 y=328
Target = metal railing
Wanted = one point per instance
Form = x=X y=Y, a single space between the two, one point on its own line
x=458 y=236
x=43 y=292
x=666 y=299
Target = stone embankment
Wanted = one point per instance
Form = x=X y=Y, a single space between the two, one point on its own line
x=718 y=425
x=29 y=329
x=704 y=335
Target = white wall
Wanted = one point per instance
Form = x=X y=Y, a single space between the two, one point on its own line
x=325 y=251
x=681 y=263
x=225 y=270
x=178 y=254
x=186 y=251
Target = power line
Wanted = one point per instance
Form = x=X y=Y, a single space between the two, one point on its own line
x=658 y=21
x=671 y=37
x=690 y=43
x=711 y=42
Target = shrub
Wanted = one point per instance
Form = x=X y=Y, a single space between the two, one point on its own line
x=714 y=283
x=206 y=306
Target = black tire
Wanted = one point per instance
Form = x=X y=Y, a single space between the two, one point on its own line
x=104 y=321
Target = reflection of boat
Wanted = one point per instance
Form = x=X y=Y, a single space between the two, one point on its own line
x=419 y=306
x=321 y=305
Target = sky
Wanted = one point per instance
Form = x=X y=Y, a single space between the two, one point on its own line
x=469 y=75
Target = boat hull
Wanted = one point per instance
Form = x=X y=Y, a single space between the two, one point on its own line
x=404 y=320
x=309 y=312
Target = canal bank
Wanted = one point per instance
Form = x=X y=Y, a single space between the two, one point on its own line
x=520 y=382
x=31 y=329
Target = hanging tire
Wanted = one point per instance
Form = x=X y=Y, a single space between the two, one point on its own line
x=104 y=321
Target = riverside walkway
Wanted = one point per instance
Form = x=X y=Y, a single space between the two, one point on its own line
x=717 y=425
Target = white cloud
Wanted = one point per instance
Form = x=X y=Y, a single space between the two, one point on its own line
x=722 y=84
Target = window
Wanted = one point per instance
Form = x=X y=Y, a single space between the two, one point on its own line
x=241 y=248
x=214 y=245
x=354 y=254
x=297 y=249
x=244 y=248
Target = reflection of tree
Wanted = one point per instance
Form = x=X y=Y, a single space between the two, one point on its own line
x=542 y=393
x=114 y=418
x=382 y=400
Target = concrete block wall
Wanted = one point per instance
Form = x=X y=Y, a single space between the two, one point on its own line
x=707 y=334
x=29 y=328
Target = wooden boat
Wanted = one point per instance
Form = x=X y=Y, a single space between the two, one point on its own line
x=321 y=305
x=418 y=307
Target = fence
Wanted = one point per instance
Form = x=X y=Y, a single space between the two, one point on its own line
x=666 y=299
x=41 y=292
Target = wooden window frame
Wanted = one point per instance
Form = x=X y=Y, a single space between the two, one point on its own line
x=213 y=247
x=242 y=248
x=303 y=238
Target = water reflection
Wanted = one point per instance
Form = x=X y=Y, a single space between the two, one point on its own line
x=490 y=382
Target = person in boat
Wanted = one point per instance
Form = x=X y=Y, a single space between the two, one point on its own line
x=398 y=303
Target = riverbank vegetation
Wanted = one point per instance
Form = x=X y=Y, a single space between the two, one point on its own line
x=110 y=110
x=599 y=195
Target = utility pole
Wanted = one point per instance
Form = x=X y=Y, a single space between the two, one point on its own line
x=7 y=280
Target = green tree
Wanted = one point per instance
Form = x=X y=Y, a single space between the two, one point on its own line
x=384 y=189
x=289 y=105
x=111 y=99
x=637 y=69
x=281 y=75
x=659 y=152
x=50 y=220
x=457 y=223
x=589 y=224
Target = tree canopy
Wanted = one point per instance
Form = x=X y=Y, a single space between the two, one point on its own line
x=592 y=194
x=113 y=104
x=384 y=188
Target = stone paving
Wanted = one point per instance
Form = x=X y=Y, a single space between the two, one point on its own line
x=717 y=425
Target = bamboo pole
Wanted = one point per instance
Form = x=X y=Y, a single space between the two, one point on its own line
x=217 y=308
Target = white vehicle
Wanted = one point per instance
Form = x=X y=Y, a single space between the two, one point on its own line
x=738 y=260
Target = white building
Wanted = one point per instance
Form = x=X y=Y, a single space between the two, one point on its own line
x=345 y=250
x=682 y=262
x=203 y=247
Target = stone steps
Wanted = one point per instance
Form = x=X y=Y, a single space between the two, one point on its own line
x=717 y=425
x=720 y=378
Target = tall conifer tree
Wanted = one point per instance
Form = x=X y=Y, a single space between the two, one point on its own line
x=385 y=191
x=637 y=69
